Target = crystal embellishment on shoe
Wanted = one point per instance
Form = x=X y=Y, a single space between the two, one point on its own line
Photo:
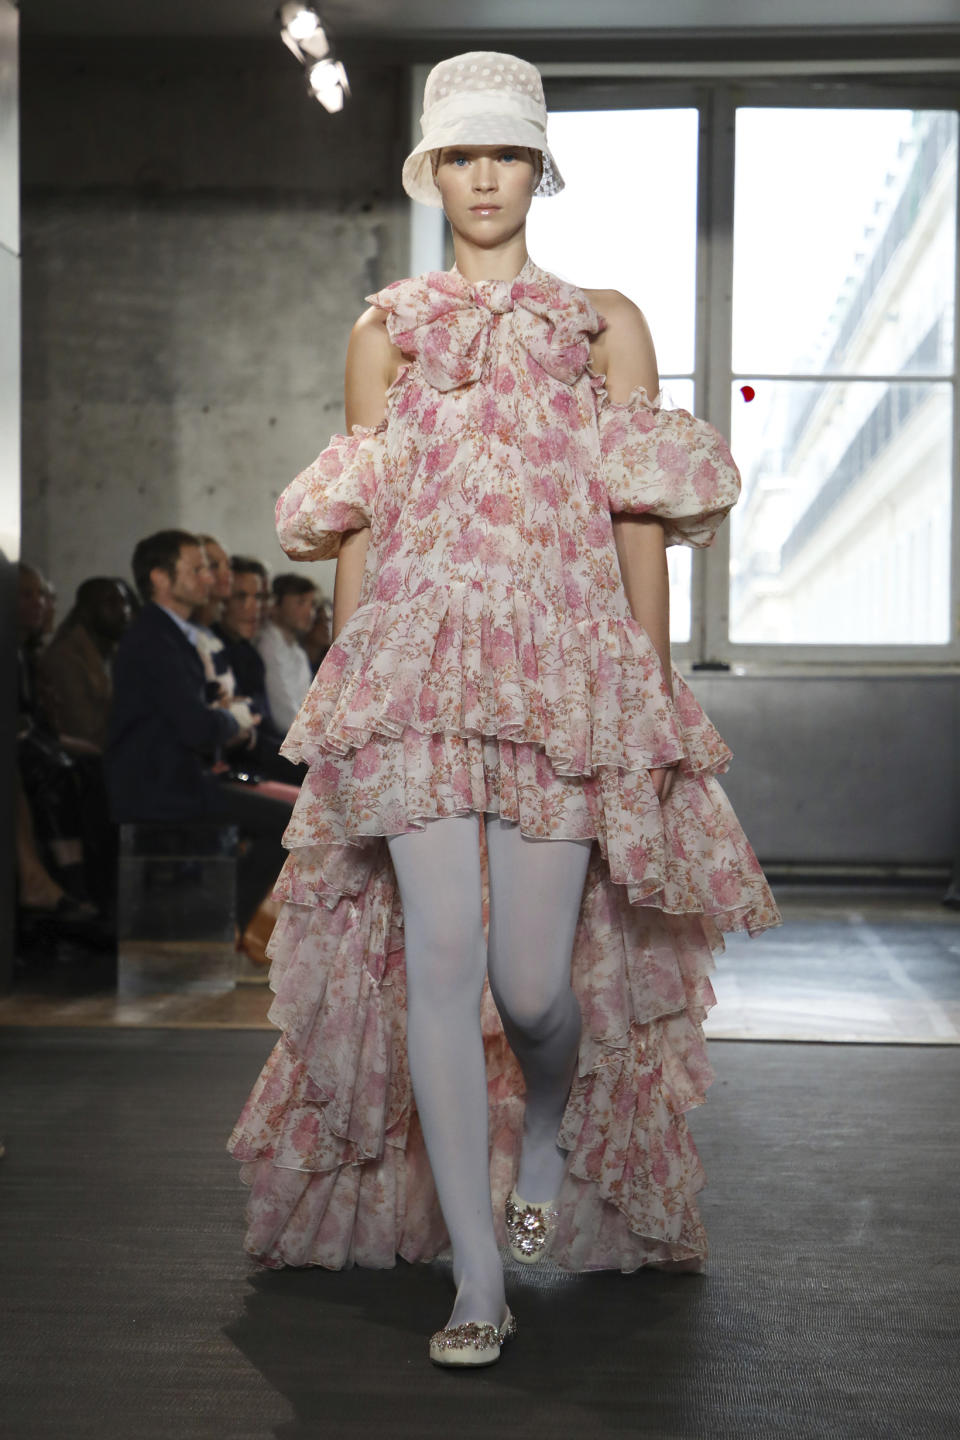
x=530 y=1227
x=474 y=1343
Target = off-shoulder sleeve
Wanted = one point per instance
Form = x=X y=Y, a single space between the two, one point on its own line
x=668 y=464
x=333 y=495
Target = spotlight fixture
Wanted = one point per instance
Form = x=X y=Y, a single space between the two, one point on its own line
x=300 y=20
x=317 y=46
x=328 y=81
x=301 y=30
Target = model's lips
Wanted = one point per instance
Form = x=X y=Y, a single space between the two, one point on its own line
x=474 y=208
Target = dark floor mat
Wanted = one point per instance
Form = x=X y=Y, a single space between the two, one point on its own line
x=829 y=1308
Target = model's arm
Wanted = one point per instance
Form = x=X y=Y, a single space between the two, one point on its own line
x=625 y=353
x=372 y=363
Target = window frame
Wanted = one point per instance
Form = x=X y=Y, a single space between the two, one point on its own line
x=717 y=91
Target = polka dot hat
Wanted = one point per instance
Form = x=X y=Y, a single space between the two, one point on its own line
x=481 y=98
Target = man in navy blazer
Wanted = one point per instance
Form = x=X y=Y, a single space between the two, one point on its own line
x=164 y=737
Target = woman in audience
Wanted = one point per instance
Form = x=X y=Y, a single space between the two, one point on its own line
x=64 y=838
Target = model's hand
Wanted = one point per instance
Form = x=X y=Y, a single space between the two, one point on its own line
x=663 y=781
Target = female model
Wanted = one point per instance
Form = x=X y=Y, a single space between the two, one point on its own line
x=506 y=783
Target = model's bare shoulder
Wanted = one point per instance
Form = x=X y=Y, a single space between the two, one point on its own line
x=609 y=302
x=369 y=338
x=372 y=365
x=624 y=351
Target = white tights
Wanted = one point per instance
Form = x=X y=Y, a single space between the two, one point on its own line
x=535 y=892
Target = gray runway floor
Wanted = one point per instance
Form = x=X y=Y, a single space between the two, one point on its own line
x=847 y=966
x=829 y=1308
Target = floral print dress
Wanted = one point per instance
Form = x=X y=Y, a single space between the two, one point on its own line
x=493 y=665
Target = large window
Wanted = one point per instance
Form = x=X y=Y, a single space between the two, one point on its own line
x=843 y=328
x=629 y=249
x=793 y=246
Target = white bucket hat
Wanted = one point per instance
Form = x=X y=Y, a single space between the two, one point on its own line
x=481 y=98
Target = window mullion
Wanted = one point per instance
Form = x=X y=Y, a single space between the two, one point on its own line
x=954 y=631
x=714 y=352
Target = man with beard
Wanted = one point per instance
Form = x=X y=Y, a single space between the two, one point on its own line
x=165 y=740
x=75 y=668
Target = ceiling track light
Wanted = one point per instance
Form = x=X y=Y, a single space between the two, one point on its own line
x=328 y=82
x=301 y=30
x=300 y=20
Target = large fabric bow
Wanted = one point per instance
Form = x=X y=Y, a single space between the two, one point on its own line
x=447 y=322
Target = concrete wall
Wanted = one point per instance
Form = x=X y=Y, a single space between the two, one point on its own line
x=197 y=240
x=9 y=465
x=198 y=236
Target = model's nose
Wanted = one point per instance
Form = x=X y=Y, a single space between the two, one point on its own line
x=485 y=178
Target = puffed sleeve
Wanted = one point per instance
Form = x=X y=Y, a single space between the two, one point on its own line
x=333 y=495
x=668 y=464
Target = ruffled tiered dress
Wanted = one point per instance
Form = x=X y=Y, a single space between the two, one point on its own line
x=493 y=665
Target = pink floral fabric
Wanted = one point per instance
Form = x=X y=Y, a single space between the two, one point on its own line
x=690 y=480
x=333 y=495
x=493 y=665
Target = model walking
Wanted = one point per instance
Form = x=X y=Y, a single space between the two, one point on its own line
x=497 y=725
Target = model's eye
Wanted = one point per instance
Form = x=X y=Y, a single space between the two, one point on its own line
x=458 y=160
x=509 y=155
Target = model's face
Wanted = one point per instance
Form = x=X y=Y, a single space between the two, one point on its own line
x=487 y=189
x=243 y=609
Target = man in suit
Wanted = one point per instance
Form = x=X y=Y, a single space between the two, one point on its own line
x=164 y=737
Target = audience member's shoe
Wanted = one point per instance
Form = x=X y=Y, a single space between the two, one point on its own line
x=69 y=918
x=68 y=907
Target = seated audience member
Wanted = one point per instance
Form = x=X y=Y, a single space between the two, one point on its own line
x=289 y=620
x=317 y=641
x=132 y=598
x=43 y=860
x=49 y=599
x=74 y=669
x=38 y=893
x=164 y=737
x=60 y=774
x=221 y=681
x=239 y=626
x=32 y=619
x=211 y=613
x=242 y=619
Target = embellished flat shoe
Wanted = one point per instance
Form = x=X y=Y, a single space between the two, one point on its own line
x=530 y=1227
x=475 y=1343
